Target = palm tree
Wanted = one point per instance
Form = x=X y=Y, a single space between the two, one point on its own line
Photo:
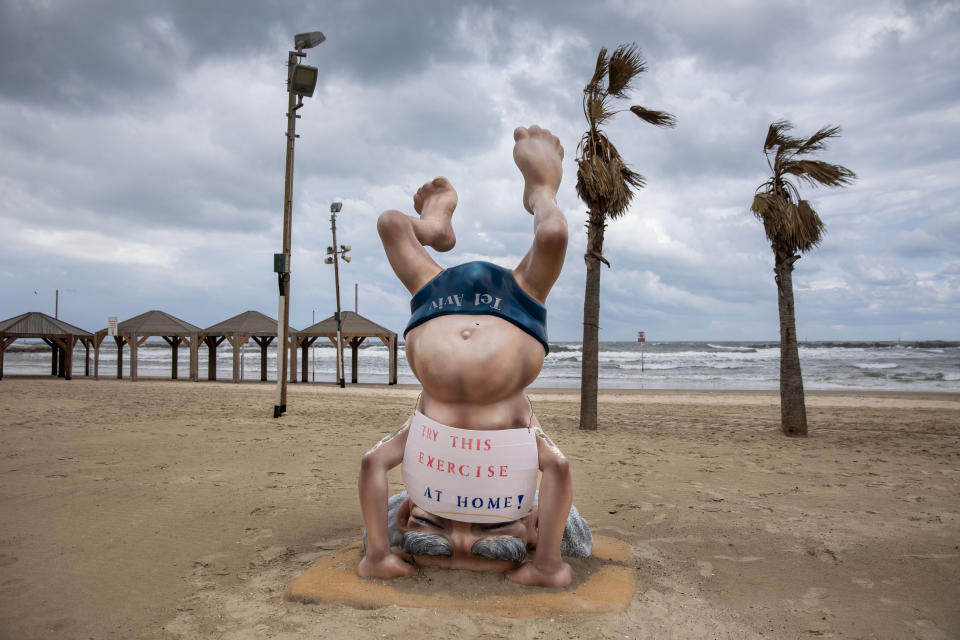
x=606 y=185
x=793 y=227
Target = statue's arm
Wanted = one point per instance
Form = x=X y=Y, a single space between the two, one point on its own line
x=379 y=561
x=556 y=495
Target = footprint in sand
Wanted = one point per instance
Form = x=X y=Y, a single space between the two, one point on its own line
x=12 y=587
x=927 y=630
x=813 y=597
x=706 y=568
x=739 y=558
x=660 y=517
x=252 y=535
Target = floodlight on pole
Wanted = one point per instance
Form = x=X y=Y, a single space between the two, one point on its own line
x=301 y=81
x=308 y=40
x=334 y=256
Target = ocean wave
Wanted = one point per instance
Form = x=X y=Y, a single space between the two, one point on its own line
x=875 y=365
x=738 y=349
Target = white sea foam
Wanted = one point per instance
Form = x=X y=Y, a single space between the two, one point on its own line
x=714 y=365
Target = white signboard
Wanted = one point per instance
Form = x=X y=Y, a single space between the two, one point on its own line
x=112 y=326
x=470 y=475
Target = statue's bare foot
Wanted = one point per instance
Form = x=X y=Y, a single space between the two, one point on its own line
x=435 y=202
x=532 y=575
x=539 y=156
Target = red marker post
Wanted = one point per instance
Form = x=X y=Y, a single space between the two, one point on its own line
x=641 y=338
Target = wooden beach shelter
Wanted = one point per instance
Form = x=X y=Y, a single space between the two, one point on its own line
x=135 y=332
x=59 y=335
x=355 y=329
x=237 y=330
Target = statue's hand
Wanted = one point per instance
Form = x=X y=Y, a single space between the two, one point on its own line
x=533 y=576
x=539 y=156
x=387 y=567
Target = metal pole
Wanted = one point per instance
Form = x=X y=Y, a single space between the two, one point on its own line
x=356 y=299
x=336 y=277
x=294 y=102
x=56 y=305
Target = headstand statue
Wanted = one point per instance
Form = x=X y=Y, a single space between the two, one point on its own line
x=472 y=451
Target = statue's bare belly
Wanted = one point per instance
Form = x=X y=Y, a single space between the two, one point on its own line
x=474 y=369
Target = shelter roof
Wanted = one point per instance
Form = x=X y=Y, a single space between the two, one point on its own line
x=35 y=324
x=248 y=323
x=351 y=323
x=156 y=323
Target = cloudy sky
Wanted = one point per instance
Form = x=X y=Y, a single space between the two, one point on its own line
x=142 y=156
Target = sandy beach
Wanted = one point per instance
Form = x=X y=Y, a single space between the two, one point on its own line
x=161 y=509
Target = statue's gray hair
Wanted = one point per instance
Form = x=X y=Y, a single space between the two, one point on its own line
x=509 y=548
x=417 y=543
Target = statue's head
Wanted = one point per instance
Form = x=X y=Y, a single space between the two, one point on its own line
x=475 y=546
x=465 y=545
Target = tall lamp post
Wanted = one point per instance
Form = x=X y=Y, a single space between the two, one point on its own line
x=334 y=255
x=301 y=81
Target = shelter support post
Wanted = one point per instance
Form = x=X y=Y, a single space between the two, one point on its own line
x=69 y=343
x=305 y=344
x=174 y=342
x=235 y=343
x=195 y=357
x=293 y=358
x=5 y=341
x=54 y=352
x=354 y=357
x=264 y=342
x=393 y=359
x=86 y=357
x=134 y=352
x=120 y=340
x=98 y=339
x=304 y=361
x=212 y=343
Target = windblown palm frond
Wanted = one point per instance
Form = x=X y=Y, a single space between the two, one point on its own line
x=789 y=222
x=625 y=64
x=658 y=118
x=599 y=73
x=817 y=142
x=776 y=134
x=817 y=173
x=604 y=181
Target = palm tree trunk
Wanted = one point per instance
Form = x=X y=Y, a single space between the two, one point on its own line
x=591 y=324
x=793 y=410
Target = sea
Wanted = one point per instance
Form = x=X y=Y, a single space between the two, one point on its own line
x=851 y=366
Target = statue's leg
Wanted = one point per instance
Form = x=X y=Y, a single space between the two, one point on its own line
x=404 y=237
x=539 y=157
